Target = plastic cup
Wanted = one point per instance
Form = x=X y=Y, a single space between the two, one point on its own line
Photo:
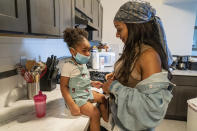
x=40 y=104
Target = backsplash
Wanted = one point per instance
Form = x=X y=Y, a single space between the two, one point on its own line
x=12 y=89
x=11 y=49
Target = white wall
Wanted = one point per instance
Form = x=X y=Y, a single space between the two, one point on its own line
x=110 y=7
x=178 y=19
x=11 y=48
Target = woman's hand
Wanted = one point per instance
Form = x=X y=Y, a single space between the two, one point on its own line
x=109 y=76
x=97 y=84
x=107 y=84
x=75 y=110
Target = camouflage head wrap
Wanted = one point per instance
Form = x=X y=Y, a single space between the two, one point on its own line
x=138 y=11
x=135 y=12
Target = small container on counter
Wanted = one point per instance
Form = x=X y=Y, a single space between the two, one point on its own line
x=101 y=62
x=40 y=104
x=95 y=59
x=33 y=87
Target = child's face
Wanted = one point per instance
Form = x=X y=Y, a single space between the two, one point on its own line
x=82 y=48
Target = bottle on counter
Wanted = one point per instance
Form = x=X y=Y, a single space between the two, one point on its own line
x=95 y=58
x=101 y=62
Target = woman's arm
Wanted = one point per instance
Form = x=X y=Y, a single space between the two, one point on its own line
x=75 y=110
x=150 y=63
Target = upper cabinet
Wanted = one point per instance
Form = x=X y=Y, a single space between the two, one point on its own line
x=67 y=16
x=42 y=17
x=96 y=13
x=45 y=16
x=13 y=15
x=97 y=20
x=79 y=4
x=100 y=22
x=50 y=17
x=85 y=6
x=88 y=5
x=92 y=11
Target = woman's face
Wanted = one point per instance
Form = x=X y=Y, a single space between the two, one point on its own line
x=82 y=47
x=122 y=31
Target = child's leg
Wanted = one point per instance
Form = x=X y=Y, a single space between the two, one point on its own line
x=90 y=110
x=100 y=98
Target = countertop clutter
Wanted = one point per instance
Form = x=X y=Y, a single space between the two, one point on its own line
x=21 y=116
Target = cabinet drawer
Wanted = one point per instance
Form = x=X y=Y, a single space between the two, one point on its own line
x=184 y=80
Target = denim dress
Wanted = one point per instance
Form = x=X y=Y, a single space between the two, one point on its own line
x=79 y=86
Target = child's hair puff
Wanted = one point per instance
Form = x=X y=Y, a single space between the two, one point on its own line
x=74 y=35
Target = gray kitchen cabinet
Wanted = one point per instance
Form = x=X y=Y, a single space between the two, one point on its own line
x=88 y=5
x=45 y=16
x=97 y=20
x=85 y=6
x=48 y=17
x=186 y=89
x=13 y=16
x=79 y=4
x=96 y=13
x=40 y=17
x=172 y=105
x=100 y=22
x=184 y=93
x=67 y=16
x=92 y=11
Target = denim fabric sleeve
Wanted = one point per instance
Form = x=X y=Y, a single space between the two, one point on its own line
x=136 y=110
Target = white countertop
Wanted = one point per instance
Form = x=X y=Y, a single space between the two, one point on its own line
x=105 y=69
x=174 y=72
x=55 y=120
x=184 y=72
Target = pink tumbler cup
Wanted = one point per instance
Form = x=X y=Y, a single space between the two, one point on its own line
x=40 y=104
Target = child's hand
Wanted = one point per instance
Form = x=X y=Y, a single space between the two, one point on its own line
x=97 y=84
x=75 y=110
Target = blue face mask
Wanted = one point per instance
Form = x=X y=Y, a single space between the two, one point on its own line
x=81 y=59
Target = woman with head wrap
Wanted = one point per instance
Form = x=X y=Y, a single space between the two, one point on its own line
x=139 y=87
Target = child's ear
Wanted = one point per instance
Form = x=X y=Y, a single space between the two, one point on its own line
x=72 y=51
